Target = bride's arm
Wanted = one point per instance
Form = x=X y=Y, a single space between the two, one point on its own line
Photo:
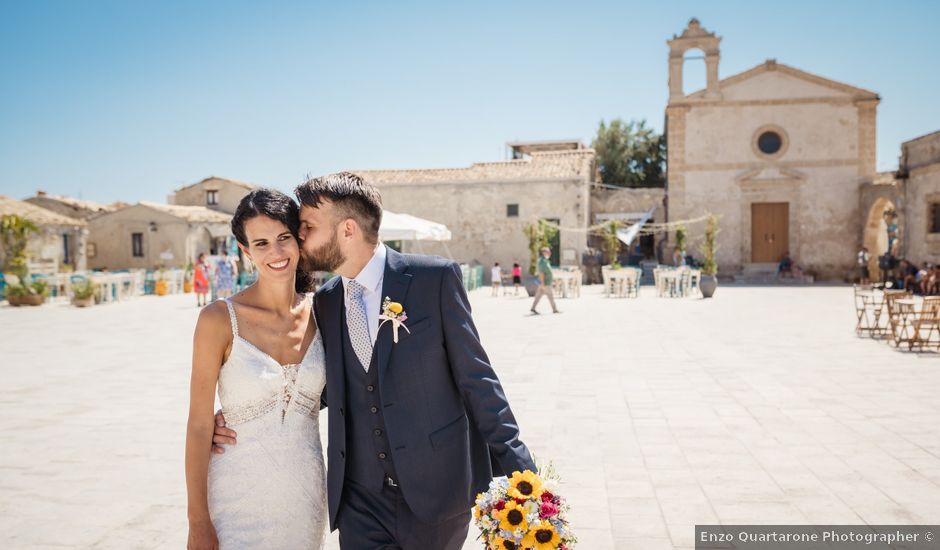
x=210 y=341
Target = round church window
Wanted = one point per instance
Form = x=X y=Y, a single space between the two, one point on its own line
x=769 y=143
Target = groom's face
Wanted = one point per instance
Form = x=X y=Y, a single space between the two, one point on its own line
x=320 y=239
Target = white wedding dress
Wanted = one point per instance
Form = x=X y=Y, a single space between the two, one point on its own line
x=269 y=490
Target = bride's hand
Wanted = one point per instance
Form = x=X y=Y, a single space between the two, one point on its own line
x=222 y=435
x=202 y=536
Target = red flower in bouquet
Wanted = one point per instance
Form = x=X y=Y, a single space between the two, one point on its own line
x=500 y=505
x=547 y=497
x=547 y=510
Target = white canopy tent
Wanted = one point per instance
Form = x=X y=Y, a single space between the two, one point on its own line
x=405 y=227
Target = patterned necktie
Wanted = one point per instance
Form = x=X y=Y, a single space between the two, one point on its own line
x=357 y=325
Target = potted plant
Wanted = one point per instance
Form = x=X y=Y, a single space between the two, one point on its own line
x=681 y=244
x=83 y=293
x=540 y=234
x=14 y=237
x=188 y=274
x=709 y=281
x=612 y=244
x=159 y=284
x=27 y=294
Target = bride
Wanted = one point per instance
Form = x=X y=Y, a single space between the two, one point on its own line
x=262 y=349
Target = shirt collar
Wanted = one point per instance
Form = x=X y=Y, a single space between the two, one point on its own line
x=372 y=274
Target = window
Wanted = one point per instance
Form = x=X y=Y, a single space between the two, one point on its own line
x=137 y=244
x=512 y=210
x=935 y=217
x=769 y=143
x=212 y=198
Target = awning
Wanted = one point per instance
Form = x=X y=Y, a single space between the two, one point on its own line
x=627 y=235
x=405 y=227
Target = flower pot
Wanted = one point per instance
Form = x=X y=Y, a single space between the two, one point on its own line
x=159 y=288
x=187 y=286
x=531 y=284
x=83 y=302
x=28 y=300
x=708 y=285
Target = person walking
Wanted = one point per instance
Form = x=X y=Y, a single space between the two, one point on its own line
x=201 y=280
x=864 y=277
x=516 y=278
x=496 y=274
x=544 y=271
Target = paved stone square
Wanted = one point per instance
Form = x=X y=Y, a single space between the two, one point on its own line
x=760 y=406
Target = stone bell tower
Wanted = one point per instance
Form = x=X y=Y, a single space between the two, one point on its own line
x=694 y=36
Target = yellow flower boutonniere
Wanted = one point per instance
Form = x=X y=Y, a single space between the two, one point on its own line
x=394 y=313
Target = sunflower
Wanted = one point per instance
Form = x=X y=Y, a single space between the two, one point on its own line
x=525 y=485
x=512 y=517
x=542 y=536
x=505 y=544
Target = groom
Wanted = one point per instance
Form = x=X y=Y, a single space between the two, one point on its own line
x=416 y=428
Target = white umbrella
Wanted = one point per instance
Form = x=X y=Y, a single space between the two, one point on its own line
x=405 y=227
x=627 y=235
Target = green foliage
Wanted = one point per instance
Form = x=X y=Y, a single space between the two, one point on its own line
x=681 y=238
x=83 y=289
x=540 y=234
x=14 y=236
x=612 y=242
x=630 y=154
x=26 y=289
x=710 y=245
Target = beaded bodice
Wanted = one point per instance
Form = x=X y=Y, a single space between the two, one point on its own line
x=253 y=384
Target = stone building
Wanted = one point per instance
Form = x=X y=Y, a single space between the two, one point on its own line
x=61 y=240
x=779 y=153
x=902 y=209
x=220 y=194
x=68 y=206
x=149 y=235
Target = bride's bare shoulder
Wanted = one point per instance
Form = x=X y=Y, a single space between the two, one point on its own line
x=214 y=320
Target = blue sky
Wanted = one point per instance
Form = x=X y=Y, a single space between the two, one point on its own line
x=129 y=100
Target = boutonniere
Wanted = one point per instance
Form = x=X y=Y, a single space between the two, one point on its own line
x=393 y=312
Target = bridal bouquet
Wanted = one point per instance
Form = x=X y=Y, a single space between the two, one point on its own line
x=520 y=513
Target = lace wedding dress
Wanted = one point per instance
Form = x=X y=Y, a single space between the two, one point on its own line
x=269 y=490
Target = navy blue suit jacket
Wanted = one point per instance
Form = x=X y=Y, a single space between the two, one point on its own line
x=447 y=419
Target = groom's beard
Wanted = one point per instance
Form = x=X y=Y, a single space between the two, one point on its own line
x=326 y=258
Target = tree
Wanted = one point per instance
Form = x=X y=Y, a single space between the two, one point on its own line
x=14 y=236
x=540 y=234
x=630 y=154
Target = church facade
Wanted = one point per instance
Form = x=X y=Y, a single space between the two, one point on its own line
x=778 y=153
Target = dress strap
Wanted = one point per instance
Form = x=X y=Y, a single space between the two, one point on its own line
x=231 y=315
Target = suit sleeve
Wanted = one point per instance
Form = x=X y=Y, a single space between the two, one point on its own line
x=481 y=390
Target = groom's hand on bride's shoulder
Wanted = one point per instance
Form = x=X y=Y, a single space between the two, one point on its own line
x=222 y=435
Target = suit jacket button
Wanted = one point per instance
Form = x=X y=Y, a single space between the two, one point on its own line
x=377 y=432
x=370 y=387
x=381 y=456
x=342 y=454
x=374 y=410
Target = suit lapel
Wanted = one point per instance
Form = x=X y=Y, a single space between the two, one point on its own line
x=331 y=307
x=395 y=285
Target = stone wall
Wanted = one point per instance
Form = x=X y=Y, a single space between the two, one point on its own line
x=229 y=194
x=920 y=162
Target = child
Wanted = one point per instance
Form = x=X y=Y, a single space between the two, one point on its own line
x=516 y=278
x=201 y=280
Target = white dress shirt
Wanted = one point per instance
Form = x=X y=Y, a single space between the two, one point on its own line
x=370 y=278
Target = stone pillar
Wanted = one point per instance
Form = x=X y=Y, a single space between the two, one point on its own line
x=711 y=74
x=81 y=249
x=675 y=77
x=867 y=110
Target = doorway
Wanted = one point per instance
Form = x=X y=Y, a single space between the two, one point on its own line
x=770 y=228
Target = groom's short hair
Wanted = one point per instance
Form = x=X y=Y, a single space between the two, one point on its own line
x=351 y=196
